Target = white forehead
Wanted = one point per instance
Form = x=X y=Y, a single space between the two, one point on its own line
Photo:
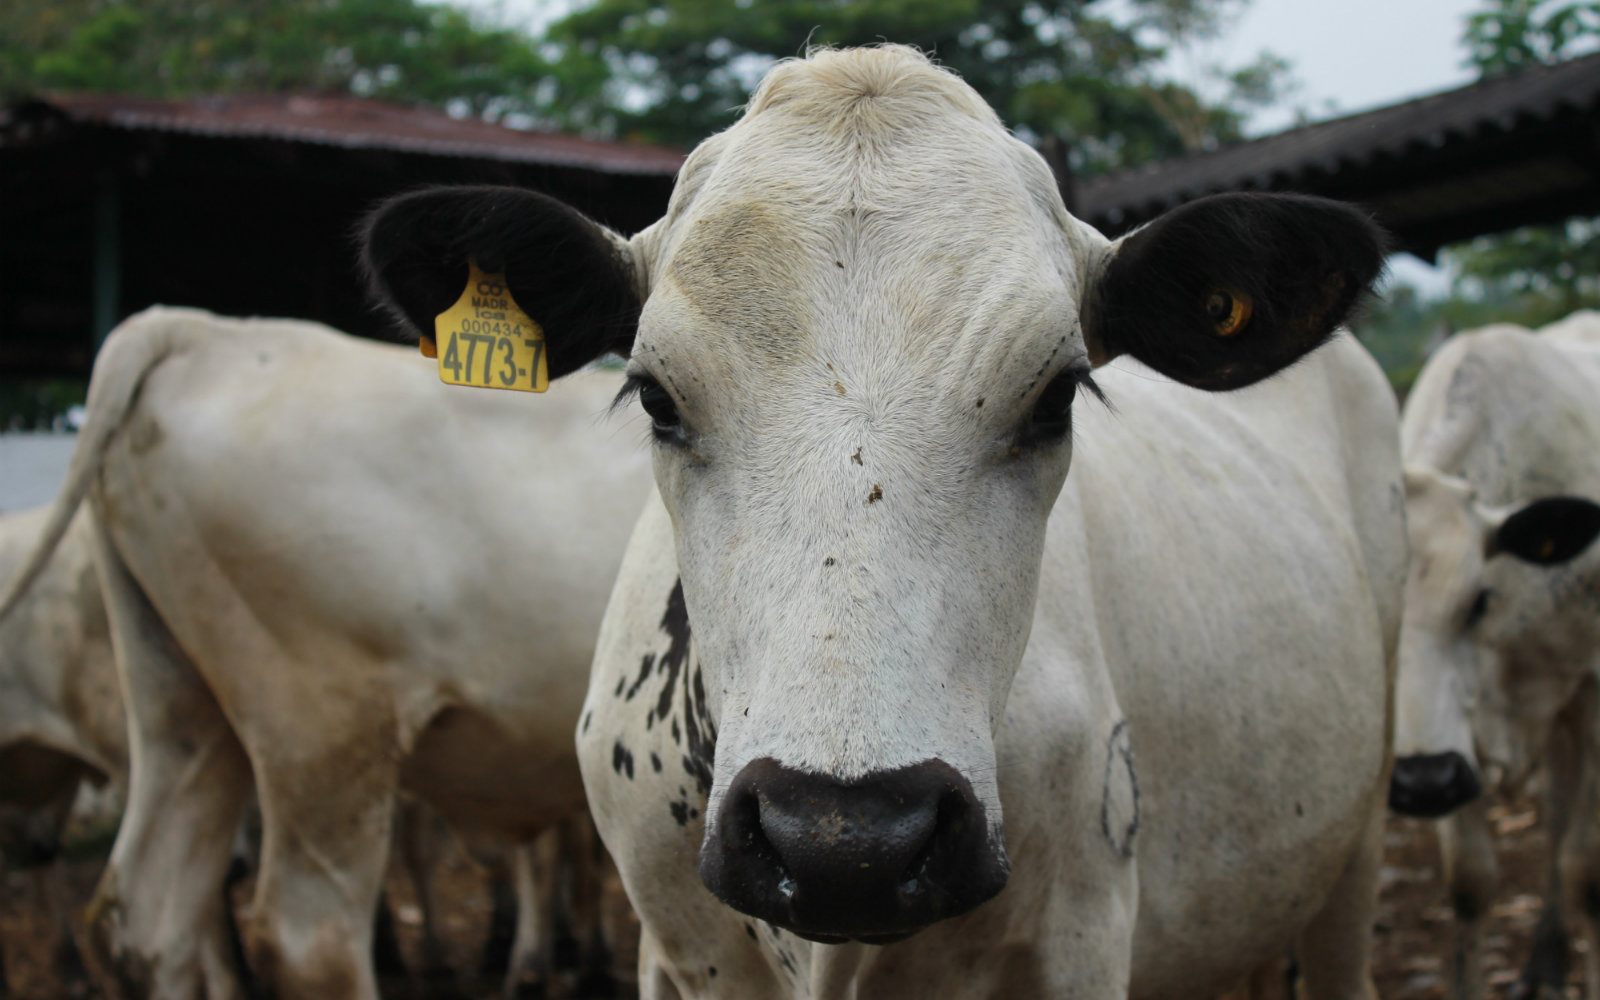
x=865 y=193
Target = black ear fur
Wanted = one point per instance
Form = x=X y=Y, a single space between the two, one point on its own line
x=1303 y=263
x=1546 y=532
x=562 y=269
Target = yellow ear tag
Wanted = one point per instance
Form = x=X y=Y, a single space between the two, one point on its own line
x=486 y=340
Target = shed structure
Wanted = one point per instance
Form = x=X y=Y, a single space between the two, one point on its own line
x=1509 y=151
x=245 y=205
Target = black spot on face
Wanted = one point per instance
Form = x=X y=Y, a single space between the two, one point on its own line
x=655 y=761
x=587 y=718
x=700 y=733
x=680 y=811
x=674 y=622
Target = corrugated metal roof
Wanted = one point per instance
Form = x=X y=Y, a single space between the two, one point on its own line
x=1495 y=105
x=354 y=123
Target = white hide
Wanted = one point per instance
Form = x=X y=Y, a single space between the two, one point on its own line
x=58 y=682
x=330 y=572
x=864 y=551
x=1499 y=417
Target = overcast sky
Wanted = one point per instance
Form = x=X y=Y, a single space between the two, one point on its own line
x=1349 y=55
x=1357 y=54
x=1354 y=55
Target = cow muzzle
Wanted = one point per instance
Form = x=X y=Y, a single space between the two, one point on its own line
x=1432 y=785
x=873 y=860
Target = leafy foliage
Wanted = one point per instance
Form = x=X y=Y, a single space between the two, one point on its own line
x=399 y=50
x=1402 y=327
x=1511 y=35
x=1546 y=267
x=677 y=70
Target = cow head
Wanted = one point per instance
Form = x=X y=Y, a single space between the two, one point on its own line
x=1500 y=620
x=861 y=329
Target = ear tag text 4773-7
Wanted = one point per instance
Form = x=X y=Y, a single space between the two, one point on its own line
x=486 y=340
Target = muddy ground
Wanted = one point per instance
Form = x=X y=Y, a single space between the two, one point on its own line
x=1412 y=934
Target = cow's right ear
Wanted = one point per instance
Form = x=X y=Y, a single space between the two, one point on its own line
x=571 y=275
x=1546 y=532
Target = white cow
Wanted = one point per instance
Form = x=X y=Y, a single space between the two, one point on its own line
x=327 y=569
x=1500 y=648
x=859 y=331
x=62 y=724
x=61 y=720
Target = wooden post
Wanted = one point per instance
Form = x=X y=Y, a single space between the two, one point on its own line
x=107 y=289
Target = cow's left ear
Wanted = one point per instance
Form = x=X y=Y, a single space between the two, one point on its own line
x=1546 y=532
x=574 y=277
x=1230 y=289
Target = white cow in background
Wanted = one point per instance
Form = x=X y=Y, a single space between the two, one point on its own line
x=61 y=720
x=859 y=331
x=1500 y=649
x=327 y=569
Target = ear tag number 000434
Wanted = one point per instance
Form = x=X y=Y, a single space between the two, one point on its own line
x=486 y=340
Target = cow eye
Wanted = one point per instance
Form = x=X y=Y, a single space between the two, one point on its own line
x=1052 y=414
x=1480 y=607
x=657 y=402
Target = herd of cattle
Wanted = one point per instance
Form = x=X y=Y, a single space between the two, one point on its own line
x=874 y=699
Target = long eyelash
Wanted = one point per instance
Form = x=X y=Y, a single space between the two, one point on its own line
x=631 y=388
x=1086 y=380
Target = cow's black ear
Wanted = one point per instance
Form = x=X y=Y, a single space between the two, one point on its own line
x=571 y=275
x=1230 y=289
x=1548 y=531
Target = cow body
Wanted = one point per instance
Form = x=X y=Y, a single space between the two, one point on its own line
x=58 y=682
x=924 y=713
x=1501 y=643
x=61 y=719
x=294 y=597
x=1192 y=537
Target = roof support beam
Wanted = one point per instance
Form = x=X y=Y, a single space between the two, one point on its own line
x=107 y=291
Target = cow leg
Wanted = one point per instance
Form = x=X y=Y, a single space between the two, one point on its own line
x=496 y=959
x=1466 y=851
x=1334 y=951
x=157 y=920
x=421 y=839
x=1575 y=839
x=326 y=824
x=533 y=878
x=1545 y=973
x=585 y=883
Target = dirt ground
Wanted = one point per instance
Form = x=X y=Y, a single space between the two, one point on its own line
x=1411 y=937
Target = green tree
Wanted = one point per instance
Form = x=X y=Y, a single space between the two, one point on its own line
x=399 y=50
x=676 y=70
x=1510 y=35
x=1553 y=268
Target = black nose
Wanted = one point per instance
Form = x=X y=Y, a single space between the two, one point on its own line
x=876 y=859
x=1431 y=785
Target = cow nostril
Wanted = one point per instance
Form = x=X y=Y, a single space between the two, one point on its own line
x=1432 y=785
x=874 y=859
